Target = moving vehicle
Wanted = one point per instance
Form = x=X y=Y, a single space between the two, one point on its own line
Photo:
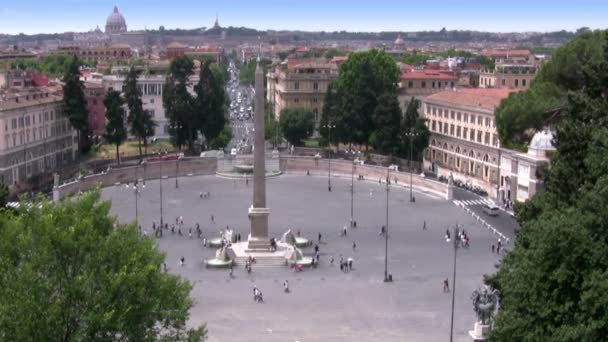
x=491 y=209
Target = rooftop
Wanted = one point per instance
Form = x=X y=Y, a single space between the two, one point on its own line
x=428 y=75
x=12 y=99
x=503 y=52
x=487 y=99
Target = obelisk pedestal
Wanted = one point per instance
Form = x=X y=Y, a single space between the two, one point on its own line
x=258 y=213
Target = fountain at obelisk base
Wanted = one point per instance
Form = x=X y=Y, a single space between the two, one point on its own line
x=258 y=244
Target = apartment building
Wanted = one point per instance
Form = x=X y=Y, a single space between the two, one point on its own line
x=464 y=141
x=37 y=136
x=511 y=76
x=423 y=83
x=300 y=83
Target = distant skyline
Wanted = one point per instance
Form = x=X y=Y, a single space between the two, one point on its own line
x=45 y=16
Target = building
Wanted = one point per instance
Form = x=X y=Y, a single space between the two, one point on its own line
x=511 y=76
x=175 y=50
x=420 y=84
x=116 y=23
x=95 y=93
x=99 y=53
x=464 y=141
x=509 y=56
x=300 y=83
x=518 y=170
x=151 y=87
x=37 y=138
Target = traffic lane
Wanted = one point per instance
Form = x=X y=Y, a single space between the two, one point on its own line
x=504 y=222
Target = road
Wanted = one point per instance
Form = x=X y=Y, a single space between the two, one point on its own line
x=241 y=118
x=504 y=222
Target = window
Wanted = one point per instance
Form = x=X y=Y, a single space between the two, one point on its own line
x=479 y=137
x=516 y=83
x=452 y=115
x=458 y=116
x=410 y=84
x=440 y=112
x=465 y=132
x=296 y=100
x=314 y=100
x=432 y=84
x=434 y=111
x=479 y=120
x=486 y=139
x=433 y=125
x=487 y=122
x=494 y=140
x=451 y=129
x=27 y=121
x=296 y=85
x=440 y=126
x=21 y=122
x=423 y=84
x=465 y=117
x=458 y=131
x=472 y=136
x=472 y=118
x=151 y=100
x=504 y=82
x=315 y=86
x=523 y=83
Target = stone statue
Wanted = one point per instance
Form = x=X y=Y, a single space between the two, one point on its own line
x=485 y=304
x=288 y=238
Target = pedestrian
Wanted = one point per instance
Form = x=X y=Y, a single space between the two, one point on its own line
x=200 y=194
x=176 y=221
x=350 y=263
x=182 y=261
x=286 y=286
x=493 y=248
x=344 y=231
x=447 y=234
x=140 y=228
x=341 y=266
x=316 y=248
x=319 y=236
x=190 y=234
x=424 y=225
x=382 y=231
x=212 y=219
x=181 y=221
x=371 y=193
x=446 y=285
x=246 y=181
x=204 y=242
x=379 y=180
x=317 y=256
x=354 y=246
x=331 y=261
x=179 y=231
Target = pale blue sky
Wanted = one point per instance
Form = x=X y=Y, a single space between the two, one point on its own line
x=35 y=16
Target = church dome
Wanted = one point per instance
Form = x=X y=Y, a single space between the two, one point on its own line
x=399 y=41
x=116 y=22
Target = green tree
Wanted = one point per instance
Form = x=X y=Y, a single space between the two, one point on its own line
x=553 y=284
x=362 y=80
x=211 y=103
x=296 y=124
x=137 y=115
x=223 y=139
x=329 y=114
x=549 y=90
x=116 y=133
x=4 y=192
x=272 y=131
x=387 y=118
x=331 y=53
x=74 y=101
x=413 y=123
x=72 y=273
x=179 y=104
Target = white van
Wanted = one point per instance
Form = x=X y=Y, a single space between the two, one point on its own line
x=491 y=209
x=233 y=152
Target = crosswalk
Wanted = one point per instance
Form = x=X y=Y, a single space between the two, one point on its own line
x=467 y=203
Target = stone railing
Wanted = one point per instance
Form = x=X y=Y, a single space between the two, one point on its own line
x=343 y=168
x=184 y=167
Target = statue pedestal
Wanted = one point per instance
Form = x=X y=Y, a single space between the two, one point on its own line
x=258 y=239
x=480 y=332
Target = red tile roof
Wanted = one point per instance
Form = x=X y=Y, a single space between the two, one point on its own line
x=487 y=99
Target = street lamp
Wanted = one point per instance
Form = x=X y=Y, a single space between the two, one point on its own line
x=160 y=186
x=352 y=190
x=456 y=238
x=329 y=127
x=411 y=135
x=386 y=277
x=176 y=171
x=137 y=191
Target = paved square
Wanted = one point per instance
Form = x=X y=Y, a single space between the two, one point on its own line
x=324 y=304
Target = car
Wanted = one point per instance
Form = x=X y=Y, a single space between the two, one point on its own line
x=490 y=209
x=233 y=152
x=393 y=167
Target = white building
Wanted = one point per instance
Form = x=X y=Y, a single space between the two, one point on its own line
x=37 y=138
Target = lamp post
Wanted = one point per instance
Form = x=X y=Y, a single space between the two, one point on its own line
x=137 y=191
x=456 y=238
x=176 y=171
x=329 y=127
x=160 y=186
x=386 y=278
x=352 y=194
x=411 y=135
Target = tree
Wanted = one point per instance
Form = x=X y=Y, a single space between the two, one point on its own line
x=179 y=104
x=413 y=123
x=4 y=192
x=271 y=127
x=362 y=79
x=138 y=119
x=329 y=114
x=74 y=101
x=387 y=118
x=553 y=284
x=72 y=273
x=223 y=139
x=549 y=90
x=296 y=124
x=116 y=133
x=211 y=103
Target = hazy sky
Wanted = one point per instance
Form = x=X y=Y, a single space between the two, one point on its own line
x=35 y=16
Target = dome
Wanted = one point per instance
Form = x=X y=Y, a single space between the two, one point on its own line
x=542 y=141
x=116 y=22
x=399 y=41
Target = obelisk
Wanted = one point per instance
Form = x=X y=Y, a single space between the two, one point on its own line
x=258 y=213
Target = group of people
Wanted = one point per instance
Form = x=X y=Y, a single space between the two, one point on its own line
x=346 y=265
x=499 y=247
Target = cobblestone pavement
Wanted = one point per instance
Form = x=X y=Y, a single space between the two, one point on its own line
x=325 y=304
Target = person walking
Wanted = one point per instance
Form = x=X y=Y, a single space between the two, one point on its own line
x=319 y=236
x=424 y=225
x=212 y=219
x=182 y=261
x=286 y=286
x=382 y=231
x=316 y=248
x=354 y=246
x=446 y=285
